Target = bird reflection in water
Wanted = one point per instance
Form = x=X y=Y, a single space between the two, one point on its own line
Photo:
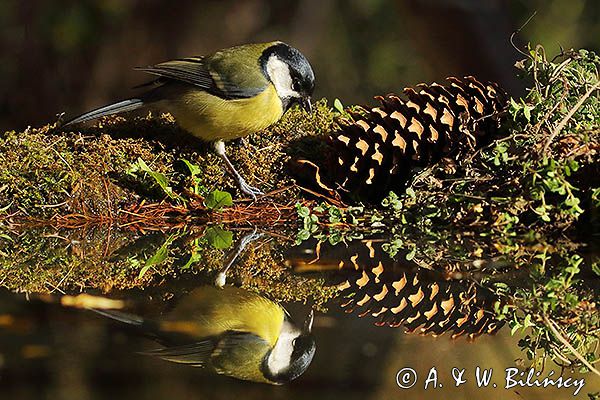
x=230 y=331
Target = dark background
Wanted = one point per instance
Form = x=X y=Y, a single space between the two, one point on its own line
x=71 y=55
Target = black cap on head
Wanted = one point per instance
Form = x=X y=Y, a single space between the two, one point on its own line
x=301 y=73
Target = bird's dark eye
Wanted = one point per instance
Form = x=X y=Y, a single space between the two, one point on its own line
x=296 y=85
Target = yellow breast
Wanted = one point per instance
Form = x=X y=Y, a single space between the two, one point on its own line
x=211 y=118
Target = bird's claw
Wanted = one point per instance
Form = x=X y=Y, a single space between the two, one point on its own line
x=249 y=238
x=249 y=190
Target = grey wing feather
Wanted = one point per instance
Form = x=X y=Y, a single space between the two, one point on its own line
x=189 y=70
x=195 y=354
x=198 y=354
x=195 y=71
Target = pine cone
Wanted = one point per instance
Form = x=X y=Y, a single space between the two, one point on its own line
x=416 y=299
x=376 y=151
x=397 y=293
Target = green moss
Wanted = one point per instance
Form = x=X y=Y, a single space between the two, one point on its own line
x=46 y=172
x=106 y=259
x=265 y=270
x=46 y=260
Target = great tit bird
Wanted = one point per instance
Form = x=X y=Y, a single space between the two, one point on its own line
x=226 y=95
x=230 y=331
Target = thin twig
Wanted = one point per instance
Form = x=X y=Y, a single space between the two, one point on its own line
x=570 y=114
x=564 y=341
x=512 y=36
x=546 y=116
x=331 y=200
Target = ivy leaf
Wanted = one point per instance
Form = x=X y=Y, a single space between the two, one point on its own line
x=218 y=199
x=219 y=238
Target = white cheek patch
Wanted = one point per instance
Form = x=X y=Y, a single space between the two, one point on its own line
x=281 y=355
x=279 y=73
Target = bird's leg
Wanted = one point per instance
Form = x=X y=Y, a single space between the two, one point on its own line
x=234 y=255
x=219 y=147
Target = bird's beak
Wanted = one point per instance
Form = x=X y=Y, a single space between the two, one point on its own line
x=309 y=322
x=306 y=104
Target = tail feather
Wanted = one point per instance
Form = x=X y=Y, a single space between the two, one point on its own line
x=116 y=108
x=125 y=318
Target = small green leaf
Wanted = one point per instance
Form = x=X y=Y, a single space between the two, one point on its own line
x=335 y=237
x=412 y=254
x=158 y=258
x=302 y=236
x=5 y=208
x=513 y=103
x=527 y=322
x=218 y=199
x=335 y=215
x=303 y=211
x=218 y=237
x=596 y=268
x=337 y=105
x=193 y=168
x=515 y=328
x=526 y=110
x=160 y=179
x=143 y=271
x=194 y=258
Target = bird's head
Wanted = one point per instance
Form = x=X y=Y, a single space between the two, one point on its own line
x=290 y=73
x=292 y=354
